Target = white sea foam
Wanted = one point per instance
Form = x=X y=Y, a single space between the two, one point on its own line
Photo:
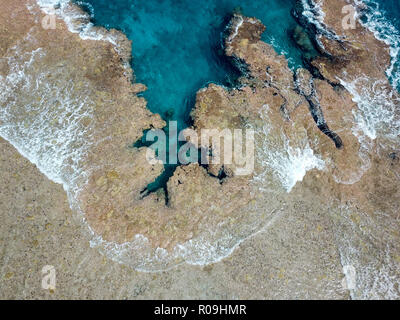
x=378 y=115
x=237 y=27
x=288 y=164
x=385 y=31
x=371 y=256
x=56 y=142
x=314 y=14
x=48 y=131
x=201 y=252
x=211 y=247
x=292 y=164
x=312 y=11
x=77 y=20
x=47 y=117
x=376 y=22
x=378 y=109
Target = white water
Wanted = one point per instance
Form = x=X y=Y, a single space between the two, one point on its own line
x=48 y=131
x=315 y=16
x=77 y=21
x=377 y=115
x=47 y=143
x=54 y=132
x=378 y=107
x=384 y=30
x=288 y=164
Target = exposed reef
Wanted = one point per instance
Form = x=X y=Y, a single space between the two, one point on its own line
x=69 y=106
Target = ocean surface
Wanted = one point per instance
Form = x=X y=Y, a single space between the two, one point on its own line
x=383 y=16
x=177 y=45
x=176 y=51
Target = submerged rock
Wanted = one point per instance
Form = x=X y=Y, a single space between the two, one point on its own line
x=303 y=41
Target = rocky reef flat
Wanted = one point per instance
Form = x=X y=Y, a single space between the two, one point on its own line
x=323 y=195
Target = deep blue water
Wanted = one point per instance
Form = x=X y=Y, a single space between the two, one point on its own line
x=391 y=11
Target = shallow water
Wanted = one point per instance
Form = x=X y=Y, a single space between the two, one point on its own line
x=383 y=17
x=36 y=141
x=177 y=47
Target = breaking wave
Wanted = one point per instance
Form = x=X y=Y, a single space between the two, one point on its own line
x=47 y=117
x=288 y=164
x=77 y=20
x=56 y=141
x=48 y=131
x=376 y=20
x=378 y=107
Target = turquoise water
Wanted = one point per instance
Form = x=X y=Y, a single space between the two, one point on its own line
x=177 y=47
x=384 y=17
x=177 y=44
